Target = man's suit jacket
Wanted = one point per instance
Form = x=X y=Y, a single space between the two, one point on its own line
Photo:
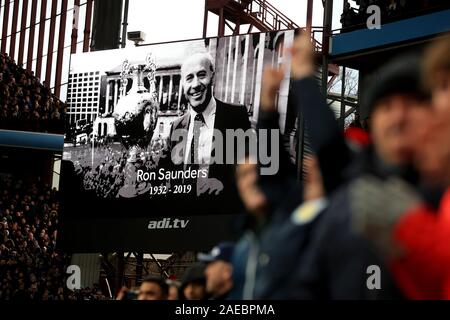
x=227 y=116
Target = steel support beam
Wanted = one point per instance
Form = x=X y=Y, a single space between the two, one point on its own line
x=51 y=40
x=5 y=26
x=74 y=36
x=60 y=58
x=31 y=36
x=12 y=41
x=125 y=24
x=221 y=31
x=327 y=21
x=87 y=26
x=205 y=20
x=23 y=25
x=119 y=272
x=309 y=15
x=40 y=48
x=342 y=115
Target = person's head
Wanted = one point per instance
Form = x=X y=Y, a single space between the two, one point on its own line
x=174 y=286
x=197 y=79
x=219 y=277
x=433 y=155
x=193 y=284
x=153 y=288
x=194 y=290
x=437 y=73
x=218 y=270
x=396 y=100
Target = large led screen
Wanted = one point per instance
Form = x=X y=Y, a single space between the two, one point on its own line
x=153 y=136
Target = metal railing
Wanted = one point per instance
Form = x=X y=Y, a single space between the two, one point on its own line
x=267 y=14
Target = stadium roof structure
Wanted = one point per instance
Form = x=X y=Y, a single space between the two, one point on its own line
x=32 y=140
x=364 y=48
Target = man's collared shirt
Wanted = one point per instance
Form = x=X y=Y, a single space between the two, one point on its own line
x=204 y=147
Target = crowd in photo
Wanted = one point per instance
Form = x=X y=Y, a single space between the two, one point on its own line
x=31 y=266
x=27 y=104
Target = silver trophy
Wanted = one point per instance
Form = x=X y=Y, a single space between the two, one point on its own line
x=135 y=114
x=135 y=118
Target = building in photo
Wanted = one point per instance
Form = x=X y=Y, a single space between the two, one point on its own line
x=83 y=95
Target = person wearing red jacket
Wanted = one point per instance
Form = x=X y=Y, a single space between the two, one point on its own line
x=423 y=272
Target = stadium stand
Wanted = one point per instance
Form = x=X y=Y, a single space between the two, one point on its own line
x=25 y=103
x=31 y=266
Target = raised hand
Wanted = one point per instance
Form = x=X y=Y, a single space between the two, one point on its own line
x=271 y=82
x=302 y=53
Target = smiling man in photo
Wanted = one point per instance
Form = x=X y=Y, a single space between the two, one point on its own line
x=205 y=114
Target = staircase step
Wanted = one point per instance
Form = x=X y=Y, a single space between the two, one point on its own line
x=238 y=11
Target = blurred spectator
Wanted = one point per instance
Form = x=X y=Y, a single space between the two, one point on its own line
x=218 y=270
x=349 y=16
x=25 y=104
x=278 y=230
x=153 y=288
x=356 y=136
x=395 y=99
x=334 y=263
x=413 y=235
x=411 y=231
x=434 y=156
x=193 y=284
x=174 y=287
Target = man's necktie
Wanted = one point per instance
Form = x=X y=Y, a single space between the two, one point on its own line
x=199 y=121
x=194 y=160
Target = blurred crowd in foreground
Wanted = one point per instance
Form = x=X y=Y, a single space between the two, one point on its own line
x=369 y=222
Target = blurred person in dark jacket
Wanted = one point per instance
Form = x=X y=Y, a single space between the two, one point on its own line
x=276 y=237
x=344 y=249
x=418 y=233
x=218 y=270
x=336 y=256
x=282 y=214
